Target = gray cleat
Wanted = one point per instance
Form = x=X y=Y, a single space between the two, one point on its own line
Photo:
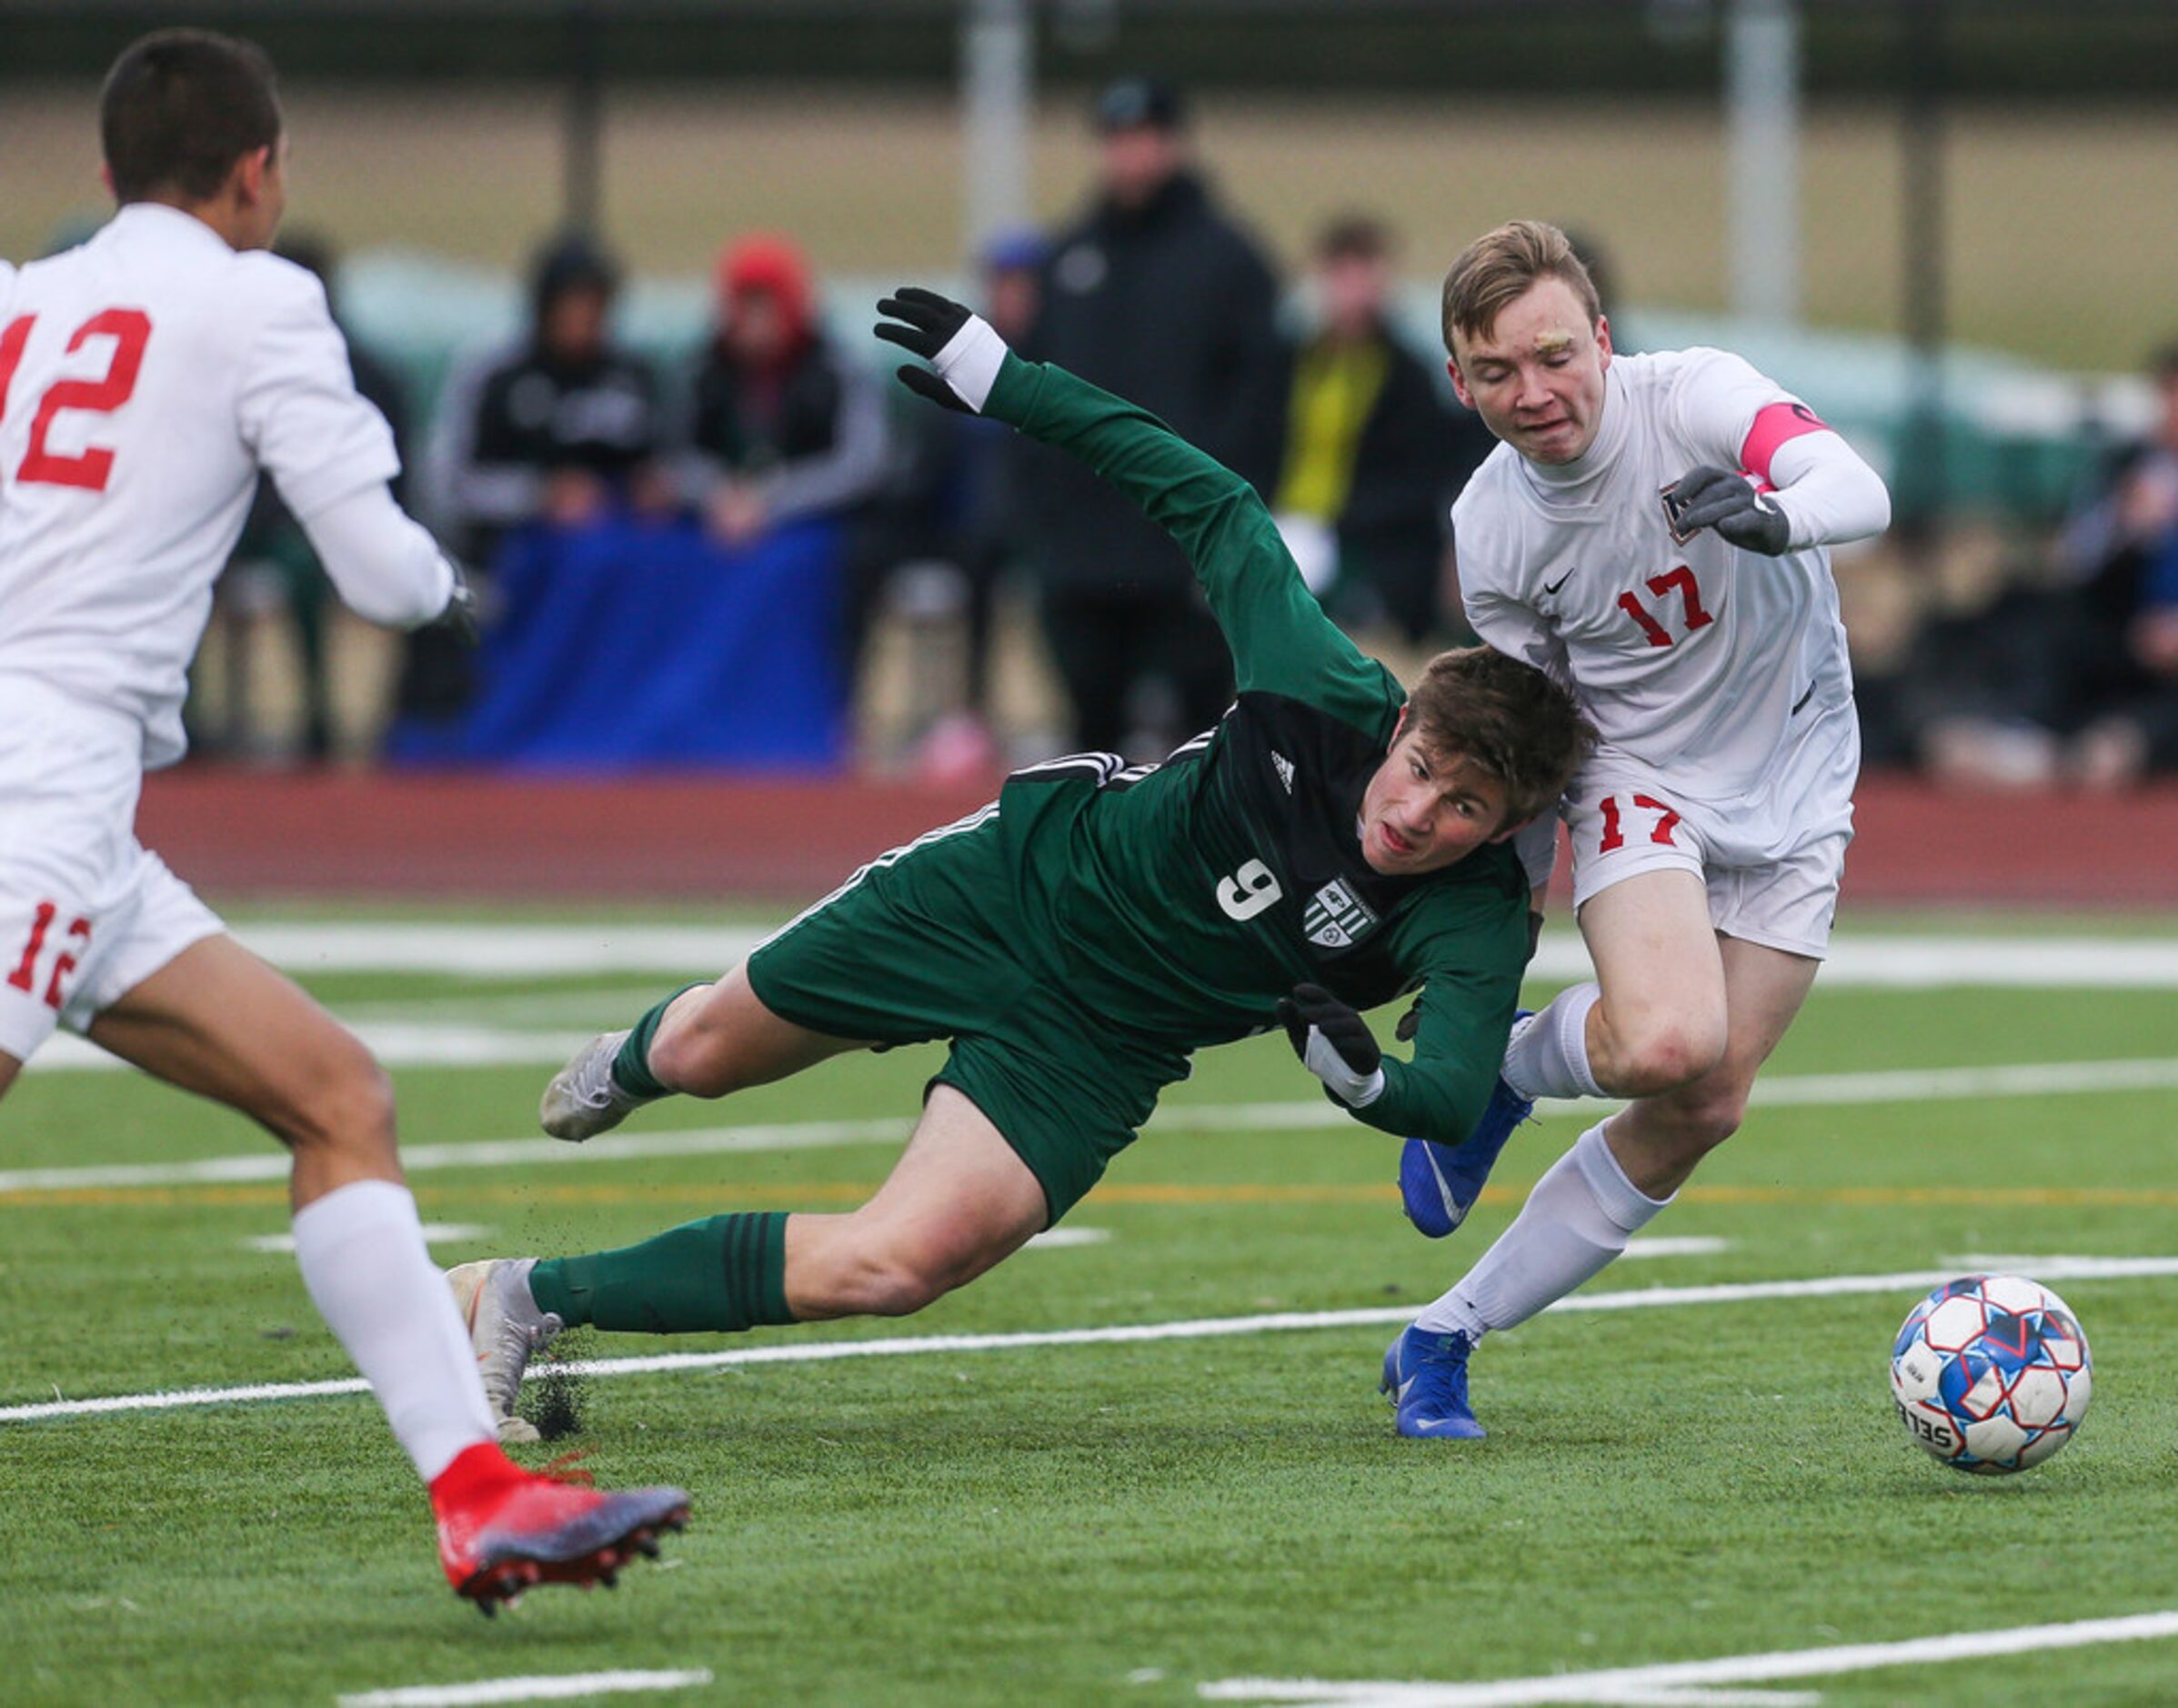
x=507 y=1329
x=584 y=1099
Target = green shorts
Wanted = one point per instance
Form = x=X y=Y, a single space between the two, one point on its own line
x=932 y=941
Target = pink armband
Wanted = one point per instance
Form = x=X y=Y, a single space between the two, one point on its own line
x=1773 y=424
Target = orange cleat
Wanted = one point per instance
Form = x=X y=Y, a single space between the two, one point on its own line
x=503 y=1530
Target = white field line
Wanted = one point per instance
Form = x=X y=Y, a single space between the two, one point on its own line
x=1059 y=1239
x=396 y=1043
x=1909 y=1085
x=523 y=951
x=1911 y=1281
x=434 y=1234
x=553 y=1688
x=498 y=951
x=1689 y=1681
x=1674 y=1245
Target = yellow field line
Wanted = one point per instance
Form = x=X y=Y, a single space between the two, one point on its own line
x=791 y=1193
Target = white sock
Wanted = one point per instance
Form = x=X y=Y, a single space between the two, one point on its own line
x=1550 y=1055
x=1578 y=1218
x=363 y=1257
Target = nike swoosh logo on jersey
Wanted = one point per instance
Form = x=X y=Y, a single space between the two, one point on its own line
x=1552 y=586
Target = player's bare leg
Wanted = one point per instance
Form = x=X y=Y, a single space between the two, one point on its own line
x=1661 y=1019
x=9 y=1067
x=959 y=1200
x=218 y=1022
x=710 y=1041
x=1658 y=1141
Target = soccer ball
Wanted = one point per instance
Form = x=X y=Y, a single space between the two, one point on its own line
x=1990 y=1374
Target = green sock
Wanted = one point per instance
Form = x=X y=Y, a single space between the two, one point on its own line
x=727 y=1273
x=631 y=1067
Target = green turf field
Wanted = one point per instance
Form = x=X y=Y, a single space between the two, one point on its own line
x=1132 y=1520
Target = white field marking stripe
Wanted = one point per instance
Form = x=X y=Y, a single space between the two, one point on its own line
x=479 y=1153
x=1674 y=1245
x=516 y=951
x=553 y=1688
x=496 y=951
x=396 y=1044
x=434 y=1234
x=1682 y=1679
x=1911 y=1085
x=1197 y=1328
x=1056 y=1238
x=1925 y=963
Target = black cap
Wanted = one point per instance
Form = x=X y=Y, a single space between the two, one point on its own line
x=571 y=262
x=1138 y=103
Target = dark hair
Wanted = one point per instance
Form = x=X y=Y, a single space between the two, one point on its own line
x=571 y=261
x=1498 y=268
x=1355 y=237
x=1509 y=718
x=180 y=108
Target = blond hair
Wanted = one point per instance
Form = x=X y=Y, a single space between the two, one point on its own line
x=1499 y=267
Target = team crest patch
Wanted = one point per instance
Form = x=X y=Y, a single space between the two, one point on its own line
x=1336 y=917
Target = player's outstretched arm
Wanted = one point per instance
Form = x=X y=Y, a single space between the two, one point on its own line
x=1281 y=639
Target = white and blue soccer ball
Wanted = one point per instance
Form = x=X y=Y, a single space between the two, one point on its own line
x=1991 y=1373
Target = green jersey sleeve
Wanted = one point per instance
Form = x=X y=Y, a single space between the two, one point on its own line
x=1282 y=641
x=1472 y=965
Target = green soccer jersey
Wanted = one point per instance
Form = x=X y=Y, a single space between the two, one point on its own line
x=1180 y=901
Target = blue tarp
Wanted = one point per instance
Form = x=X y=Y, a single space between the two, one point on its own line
x=633 y=643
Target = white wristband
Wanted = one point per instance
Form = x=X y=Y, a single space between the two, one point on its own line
x=971 y=361
x=1353 y=1089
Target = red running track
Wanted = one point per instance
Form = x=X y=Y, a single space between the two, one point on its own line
x=241 y=833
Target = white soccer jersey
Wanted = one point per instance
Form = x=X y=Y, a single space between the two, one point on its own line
x=1708 y=664
x=145 y=378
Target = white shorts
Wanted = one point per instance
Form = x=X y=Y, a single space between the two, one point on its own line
x=1780 y=890
x=86 y=913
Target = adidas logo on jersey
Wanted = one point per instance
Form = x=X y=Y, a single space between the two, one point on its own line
x=1336 y=917
x=1284 y=767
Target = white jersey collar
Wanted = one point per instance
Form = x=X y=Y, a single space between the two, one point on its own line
x=166 y=225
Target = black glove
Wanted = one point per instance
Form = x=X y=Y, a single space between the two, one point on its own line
x=1708 y=496
x=458 y=619
x=963 y=348
x=1334 y=1043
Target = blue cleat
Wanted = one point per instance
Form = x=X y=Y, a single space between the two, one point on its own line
x=1425 y=1374
x=1439 y=1183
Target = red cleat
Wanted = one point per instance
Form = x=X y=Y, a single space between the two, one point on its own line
x=503 y=1530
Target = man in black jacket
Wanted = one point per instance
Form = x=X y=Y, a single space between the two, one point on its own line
x=1155 y=294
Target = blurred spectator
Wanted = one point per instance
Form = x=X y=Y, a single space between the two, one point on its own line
x=559 y=427
x=781 y=428
x=1155 y=294
x=2076 y=682
x=273 y=570
x=1368 y=471
x=2124 y=549
x=951 y=527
